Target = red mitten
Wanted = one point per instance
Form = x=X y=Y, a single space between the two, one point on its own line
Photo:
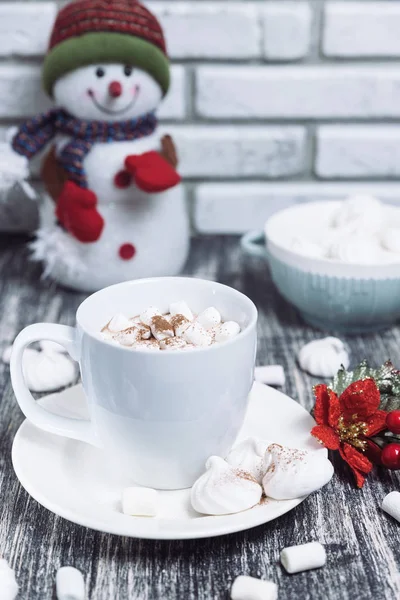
x=152 y=173
x=77 y=212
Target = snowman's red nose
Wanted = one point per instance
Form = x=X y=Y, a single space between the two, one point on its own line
x=115 y=89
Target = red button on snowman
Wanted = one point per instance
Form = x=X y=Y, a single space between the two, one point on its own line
x=111 y=179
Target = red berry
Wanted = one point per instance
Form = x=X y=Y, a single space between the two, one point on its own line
x=393 y=421
x=391 y=456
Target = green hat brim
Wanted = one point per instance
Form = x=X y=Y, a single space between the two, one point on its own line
x=105 y=48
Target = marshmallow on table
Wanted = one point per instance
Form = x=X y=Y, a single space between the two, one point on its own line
x=118 y=323
x=8 y=584
x=161 y=328
x=304 y=557
x=140 y=502
x=391 y=505
x=70 y=584
x=226 y=331
x=250 y=588
x=181 y=308
x=198 y=336
x=270 y=375
x=147 y=315
x=209 y=318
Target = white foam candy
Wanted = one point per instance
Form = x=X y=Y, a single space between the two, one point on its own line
x=391 y=239
x=181 y=308
x=161 y=328
x=249 y=456
x=198 y=336
x=47 y=372
x=70 y=584
x=391 y=505
x=227 y=331
x=303 y=558
x=323 y=358
x=119 y=322
x=173 y=344
x=209 y=318
x=270 y=375
x=180 y=323
x=140 y=502
x=294 y=473
x=356 y=249
x=251 y=588
x=307 y=248
x=128 y=337
x=147 y=315
x=8 y=583
x=359 y=212
x=224 y=490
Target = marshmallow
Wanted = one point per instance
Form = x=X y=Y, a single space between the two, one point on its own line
x=140 y=502
x=391 y=505
x=227 y=331
x=250 y=588
x=294 y=473
x=359 y=213
x=270 y=375
x=146 y=345
x=391 y=239
x=356 y=249
x=323 y=358
x=198 y=336
x=118 y=323
x=147 y=315
x=145 y=332
x=70 y=584
x=161 y=328
x=180 y=324
x=307 y=248
x=223 y=490
x=6 y=357
x=249 y=456
x=8 y=584
x=173 y=344
x=181 y=308
x=304 y=557
x=128 y=337
x=209 y=318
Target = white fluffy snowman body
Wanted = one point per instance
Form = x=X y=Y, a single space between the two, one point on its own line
x=145 y=234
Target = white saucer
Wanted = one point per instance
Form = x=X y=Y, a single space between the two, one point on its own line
x=72 y=480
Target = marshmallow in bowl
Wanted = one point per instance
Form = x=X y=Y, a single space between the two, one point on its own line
x=179 y=323
x=305 y=247
x=209 y=318
x=226 y=331
x=359 y=212
x=161 y=328
x=391 y=239
x=357 y=248
x=324 y=358
x=181 y=308
x=119 y=322
x=249 y=456
x=224 y=490
x=292 y=473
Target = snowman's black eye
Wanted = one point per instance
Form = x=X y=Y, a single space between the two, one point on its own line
x=100 y=72
x=128 y=70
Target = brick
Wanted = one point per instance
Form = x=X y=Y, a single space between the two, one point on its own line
x=20 y=91
x=357 y=29
x=197 y=30
x=25 y=27
x=358 y=151
x=301 y=92
x=237 y=208
x=174 y=105
x=233 y=152
x=286 y=30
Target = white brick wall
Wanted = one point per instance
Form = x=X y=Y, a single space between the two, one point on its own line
x=304 y=92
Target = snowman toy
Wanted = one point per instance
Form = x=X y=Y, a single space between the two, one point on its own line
x=114 y=209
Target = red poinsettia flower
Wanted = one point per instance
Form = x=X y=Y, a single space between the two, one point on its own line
x=346 y=423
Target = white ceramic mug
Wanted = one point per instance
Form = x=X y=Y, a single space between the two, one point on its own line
x=157 y=415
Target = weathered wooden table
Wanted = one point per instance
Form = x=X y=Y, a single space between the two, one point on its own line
x=363 y=544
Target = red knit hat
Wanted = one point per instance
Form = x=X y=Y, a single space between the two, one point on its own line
x=106 y=31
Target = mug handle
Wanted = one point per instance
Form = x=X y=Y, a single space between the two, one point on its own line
x=76 y=429
x=253 y=244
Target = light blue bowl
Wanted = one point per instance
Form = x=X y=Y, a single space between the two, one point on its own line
x=330 y=302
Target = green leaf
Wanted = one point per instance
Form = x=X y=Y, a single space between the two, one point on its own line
x=387 y=379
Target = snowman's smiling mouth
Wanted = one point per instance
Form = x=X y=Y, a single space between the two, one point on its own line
x=109 y=111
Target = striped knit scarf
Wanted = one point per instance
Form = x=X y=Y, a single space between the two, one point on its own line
x=37 y=132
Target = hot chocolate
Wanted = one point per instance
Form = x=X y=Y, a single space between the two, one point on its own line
x=179 y=329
